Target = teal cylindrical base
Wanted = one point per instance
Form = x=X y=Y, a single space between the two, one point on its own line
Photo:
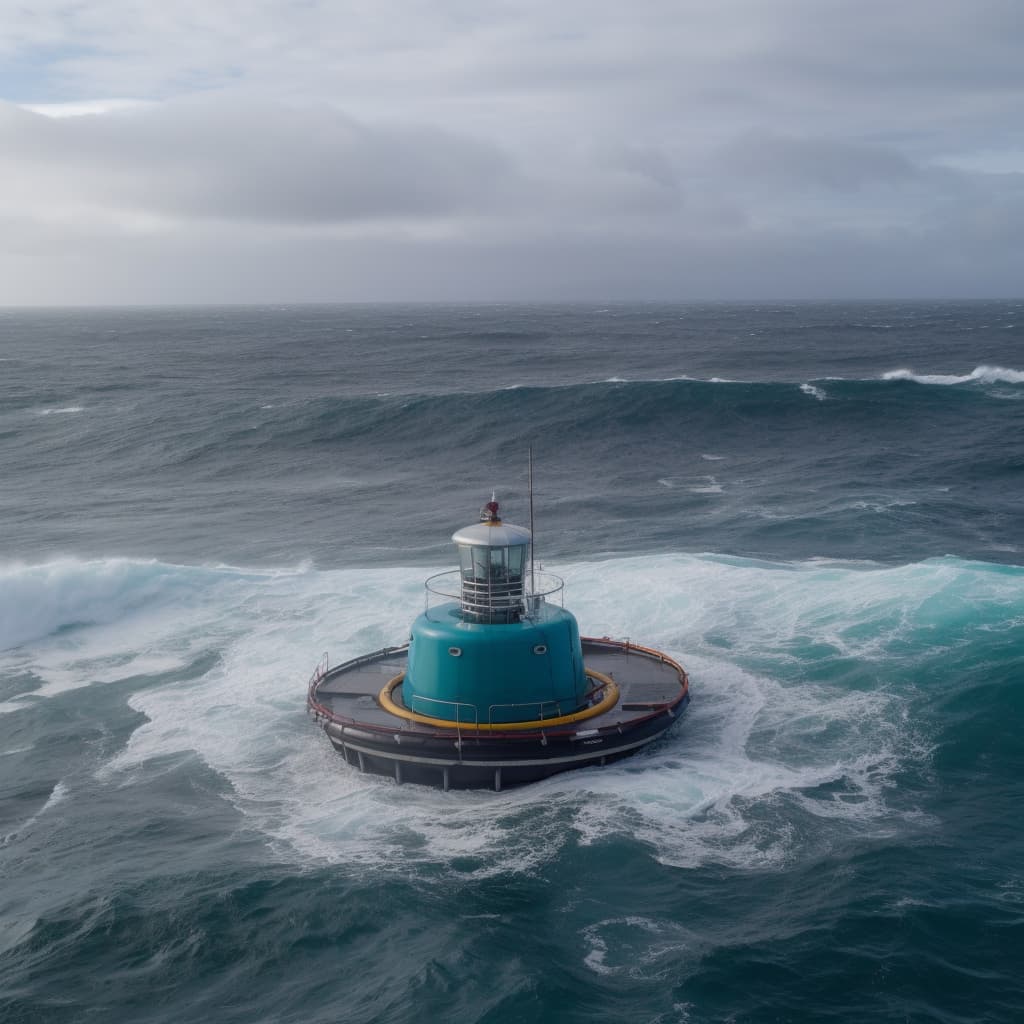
x=472 y=672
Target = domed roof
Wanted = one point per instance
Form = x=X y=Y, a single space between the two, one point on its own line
x=492 y=535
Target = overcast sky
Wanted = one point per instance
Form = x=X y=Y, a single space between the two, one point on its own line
x=334 y=150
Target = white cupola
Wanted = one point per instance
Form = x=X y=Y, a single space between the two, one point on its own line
x=493 y=562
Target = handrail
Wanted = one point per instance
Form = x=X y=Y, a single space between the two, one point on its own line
x=458 y=716
x=363 y=659
x=651 y=652
x=450 y=703
x=604 y=684
x=482 y=597
x=547 y=583
x=323 y=670
x=319 y=672
x=539 y=704
x=611 y=696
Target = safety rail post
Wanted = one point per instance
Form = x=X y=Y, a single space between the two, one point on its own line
x=539 y=704
x=457 y=704
x=319 y=672
x=458 y=716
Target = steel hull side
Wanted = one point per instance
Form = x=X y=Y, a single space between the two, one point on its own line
x=440 y=761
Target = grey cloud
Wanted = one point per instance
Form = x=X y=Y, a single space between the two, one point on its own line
x=242 y=160
x=650 y=163
x=668 y=148
x=233 y=267
x=823 y=163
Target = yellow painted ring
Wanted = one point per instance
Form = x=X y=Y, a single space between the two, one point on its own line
x=607 y=702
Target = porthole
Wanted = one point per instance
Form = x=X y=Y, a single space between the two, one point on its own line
x=541 y=649
x=455 y=652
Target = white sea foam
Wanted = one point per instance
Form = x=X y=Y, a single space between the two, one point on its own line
x=758 y=736
x=749 y=744
x=810 y=389
x=755 y=737
x=57 y=795
x=38 y=600
x=65 y=410
x=637 y=947
x=880 y=504
x=667 y=380
x=709 y=486
x=74 y=623
x=980 y=374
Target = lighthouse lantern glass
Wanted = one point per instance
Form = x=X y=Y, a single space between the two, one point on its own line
x=492 y=581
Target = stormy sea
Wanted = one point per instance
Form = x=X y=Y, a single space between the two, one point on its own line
x=817 y=509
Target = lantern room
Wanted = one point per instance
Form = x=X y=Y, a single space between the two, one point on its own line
x=500 y=653
x=493 y=566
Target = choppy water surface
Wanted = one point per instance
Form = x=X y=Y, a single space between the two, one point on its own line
x=817 y=509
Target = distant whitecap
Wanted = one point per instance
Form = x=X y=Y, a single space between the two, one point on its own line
x=981 y=374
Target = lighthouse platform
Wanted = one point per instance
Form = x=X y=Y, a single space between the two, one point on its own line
x=495 y=688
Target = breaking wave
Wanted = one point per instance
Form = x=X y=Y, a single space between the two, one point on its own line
x=804 y=677
x=38 y=601
x=980 y=374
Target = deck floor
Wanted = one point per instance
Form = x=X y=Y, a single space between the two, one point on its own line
x=644 y=682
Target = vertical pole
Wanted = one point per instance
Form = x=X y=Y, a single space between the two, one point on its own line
x=533 y=579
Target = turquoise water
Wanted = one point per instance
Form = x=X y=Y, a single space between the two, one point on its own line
x=816 y=509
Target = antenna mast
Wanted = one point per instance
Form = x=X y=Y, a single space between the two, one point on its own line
x=533 y=578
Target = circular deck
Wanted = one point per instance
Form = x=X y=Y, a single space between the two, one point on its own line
x=638 y=694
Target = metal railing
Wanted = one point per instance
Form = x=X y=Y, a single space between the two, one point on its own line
x=456 y=704
x=322 y=667
x=323 y=670
x=457 y=721
x=494 y=600
x=540 y=705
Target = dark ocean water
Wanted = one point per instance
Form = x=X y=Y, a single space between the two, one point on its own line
x=817 y=509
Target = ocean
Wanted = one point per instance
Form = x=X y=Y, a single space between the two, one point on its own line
x=817 y=509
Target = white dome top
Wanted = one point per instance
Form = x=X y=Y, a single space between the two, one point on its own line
x=492 y=535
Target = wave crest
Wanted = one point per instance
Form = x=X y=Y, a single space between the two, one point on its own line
x=40 y=600
x=980 y=374
x=805 y=681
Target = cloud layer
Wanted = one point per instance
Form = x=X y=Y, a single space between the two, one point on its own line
x=405 y=150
